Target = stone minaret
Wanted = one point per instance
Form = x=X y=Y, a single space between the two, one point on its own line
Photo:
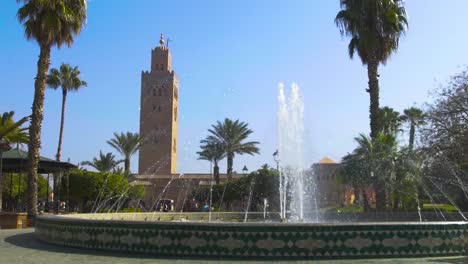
x=158 y=114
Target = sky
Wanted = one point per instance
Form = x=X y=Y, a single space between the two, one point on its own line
x=229 y=57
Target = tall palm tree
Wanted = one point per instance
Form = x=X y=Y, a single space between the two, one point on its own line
x=375 y=27
x=390 y=121
x=415 y=117
x=126 y=144
x=10 y=132
x=214 y=152
x=231 y=135
x=50 y=23
x=69 y=79
x=105 y=163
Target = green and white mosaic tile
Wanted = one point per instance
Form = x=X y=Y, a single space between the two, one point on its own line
x=274 y=241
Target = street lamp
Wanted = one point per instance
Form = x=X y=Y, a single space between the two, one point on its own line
x=245 y=170
x=276 y=159
x=4 y=146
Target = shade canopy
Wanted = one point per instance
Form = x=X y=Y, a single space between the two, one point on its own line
x=15 y=160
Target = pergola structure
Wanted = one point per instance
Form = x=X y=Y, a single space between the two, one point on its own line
x=15 y=161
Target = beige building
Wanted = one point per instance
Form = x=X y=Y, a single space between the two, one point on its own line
x=330 y=191
x=158 y=114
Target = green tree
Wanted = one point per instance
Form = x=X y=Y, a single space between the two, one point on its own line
x=15 y=188
x=213 y=151
x=374 y=160
x=69 y=80
x=415 y=117
x=127 y=145
x=50 y=23
x=231 y=136
x=408 y=175
x=99 y=190
x=105 y=163
x=390 y=121
x=10 y=132
x=445 y=141
x=375 y=27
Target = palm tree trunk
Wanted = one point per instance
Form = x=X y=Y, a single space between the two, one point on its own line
x=62 y=122
x=230 y=161
x=127 y=166
x=411 y=137
x=372 y=72
x=35 y=129
x=216 y=171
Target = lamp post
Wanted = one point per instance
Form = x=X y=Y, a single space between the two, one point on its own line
x=4 y=146
x=276 y=159
x=245 y=170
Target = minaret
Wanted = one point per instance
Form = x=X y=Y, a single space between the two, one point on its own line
x=158 y=114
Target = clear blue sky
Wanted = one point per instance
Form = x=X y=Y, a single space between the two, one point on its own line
x=229 y=56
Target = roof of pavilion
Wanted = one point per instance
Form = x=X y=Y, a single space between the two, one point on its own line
x=327 y=160
x=15 y=160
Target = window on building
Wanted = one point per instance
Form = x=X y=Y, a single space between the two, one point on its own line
x=160 y=92
x=174 y=146
x=176 y=94
x=154 y=92
x=175 y=113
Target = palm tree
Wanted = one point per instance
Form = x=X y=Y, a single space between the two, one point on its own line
x=126 y=144
x=375 y=27
x=50 y=23
x=390 y=121
x=10 y=132
x=415 y=117
x=105 y=163
x=9 y=129
x=69 y=79
x=214 y=152
x=378 y=160
x=231 y=135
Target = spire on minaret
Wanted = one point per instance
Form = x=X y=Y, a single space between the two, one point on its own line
x=161 y=40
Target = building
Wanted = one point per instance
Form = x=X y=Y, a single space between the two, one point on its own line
x=329 y=189
x=158 y=114
x=334 y=189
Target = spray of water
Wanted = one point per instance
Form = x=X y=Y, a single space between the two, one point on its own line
x=295 y=198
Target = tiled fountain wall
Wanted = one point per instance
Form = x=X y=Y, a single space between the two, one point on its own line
x=258 y=240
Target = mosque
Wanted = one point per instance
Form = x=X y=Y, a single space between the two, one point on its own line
x=157 y=165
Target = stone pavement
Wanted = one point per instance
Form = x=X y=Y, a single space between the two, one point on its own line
x=21 y=247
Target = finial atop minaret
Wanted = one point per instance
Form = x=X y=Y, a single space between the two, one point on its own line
x=161 y=40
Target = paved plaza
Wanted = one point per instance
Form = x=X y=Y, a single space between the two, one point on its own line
x=21 y=247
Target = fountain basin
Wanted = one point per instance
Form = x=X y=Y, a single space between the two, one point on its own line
x=254 y=240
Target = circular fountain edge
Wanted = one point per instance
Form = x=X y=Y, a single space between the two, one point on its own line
x=258 y=240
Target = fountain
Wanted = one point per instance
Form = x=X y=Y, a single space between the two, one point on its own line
x=295 y=199
x=298 y=231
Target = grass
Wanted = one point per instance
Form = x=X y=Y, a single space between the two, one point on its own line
x=441 y=207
